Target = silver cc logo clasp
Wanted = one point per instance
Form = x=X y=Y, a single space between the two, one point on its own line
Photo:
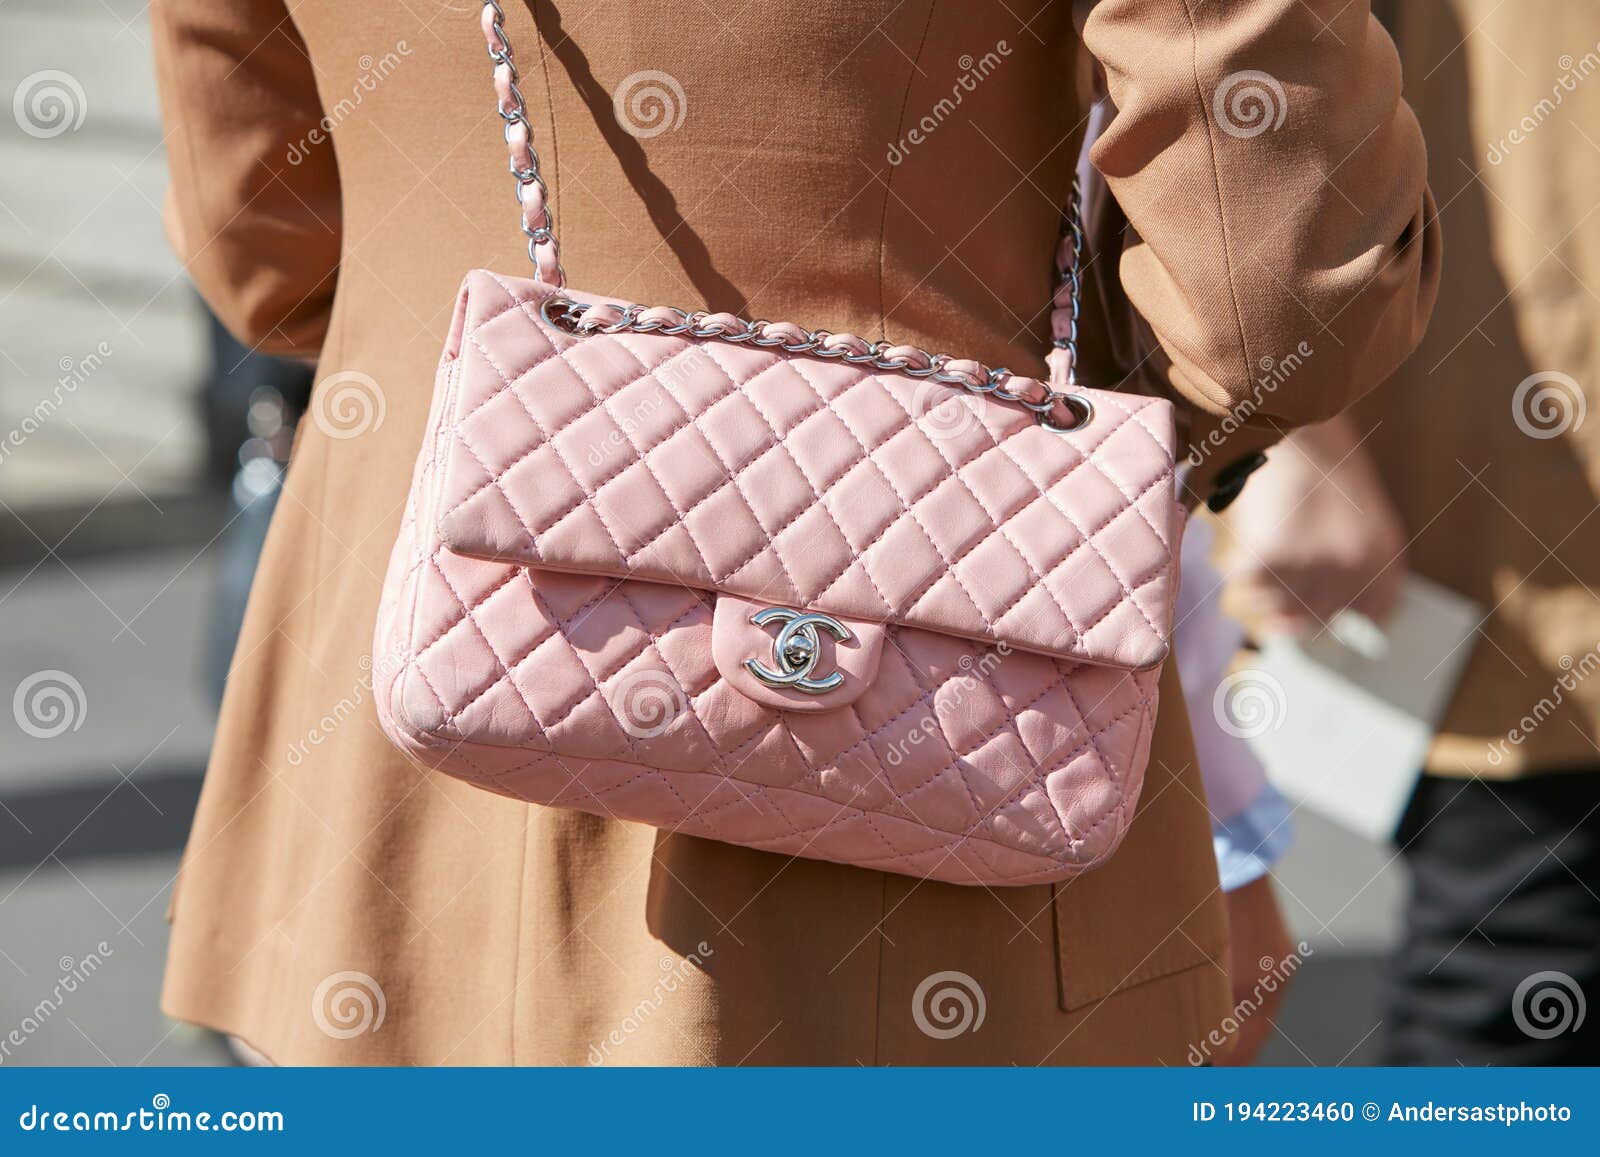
x=797 y=649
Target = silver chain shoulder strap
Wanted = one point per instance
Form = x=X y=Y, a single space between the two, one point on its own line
x=1055 y=404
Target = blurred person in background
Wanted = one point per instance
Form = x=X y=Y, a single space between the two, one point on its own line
x=250 y=404
x=1250 y=820
x=1477 y=466
x=481 y=930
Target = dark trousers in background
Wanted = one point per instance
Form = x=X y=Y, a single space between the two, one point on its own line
x=1501 y=951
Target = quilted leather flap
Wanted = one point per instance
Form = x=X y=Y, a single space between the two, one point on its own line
x=804 y=483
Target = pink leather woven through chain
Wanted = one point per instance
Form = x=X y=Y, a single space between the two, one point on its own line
x=775 y=586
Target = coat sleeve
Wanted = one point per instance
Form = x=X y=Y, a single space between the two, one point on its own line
x=1282 y=245
x=253 y=205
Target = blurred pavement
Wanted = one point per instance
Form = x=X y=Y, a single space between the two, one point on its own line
x=101 y=351
x=89 y=291
x=91 y=819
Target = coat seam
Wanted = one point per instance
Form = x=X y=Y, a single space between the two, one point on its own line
x=518 y=923
x=888 y=178
x=1216 y=184
x=877 y=979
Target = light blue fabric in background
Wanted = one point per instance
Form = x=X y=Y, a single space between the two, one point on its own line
x=1248 y=844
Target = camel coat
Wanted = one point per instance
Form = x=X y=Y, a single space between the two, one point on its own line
x=1498 y=480
x=337 y=166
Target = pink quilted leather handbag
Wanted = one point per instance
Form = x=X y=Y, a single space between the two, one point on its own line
x=775 y=586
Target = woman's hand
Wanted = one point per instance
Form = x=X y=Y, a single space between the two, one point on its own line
x=1315 y=533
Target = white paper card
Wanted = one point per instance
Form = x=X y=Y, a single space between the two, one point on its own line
x=1357 y=707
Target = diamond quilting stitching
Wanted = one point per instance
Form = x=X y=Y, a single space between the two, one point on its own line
x=643 y=462
x=1008 y=722
x=907 y=505
x=820 y=503
x=1087 y=538
x=557 y=517
x=732 y=479
x=996 y=527
x=1025 y=767
x=1128 y=585
x=866 y=452
x=969 y=841
x=496 y=477
x=870 y=738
